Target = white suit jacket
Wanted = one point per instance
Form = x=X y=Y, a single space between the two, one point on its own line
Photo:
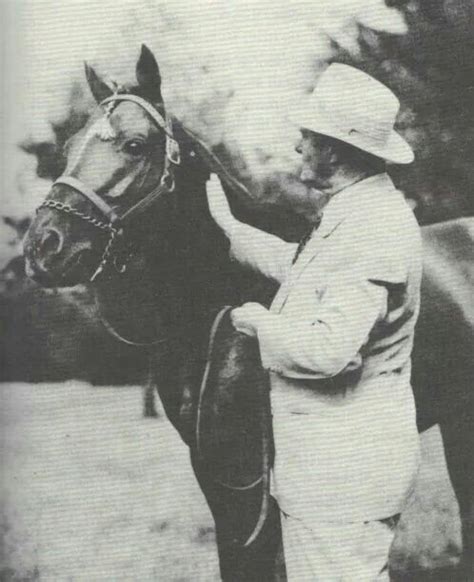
x=337 y=342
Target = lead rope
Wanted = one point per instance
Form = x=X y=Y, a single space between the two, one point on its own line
x=265 y=423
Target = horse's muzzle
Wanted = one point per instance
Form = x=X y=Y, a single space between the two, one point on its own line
x=56 y=269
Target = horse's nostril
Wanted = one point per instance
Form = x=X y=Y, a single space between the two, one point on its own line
x=52 y=242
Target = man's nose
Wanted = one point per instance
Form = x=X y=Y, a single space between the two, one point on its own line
x=299 y=147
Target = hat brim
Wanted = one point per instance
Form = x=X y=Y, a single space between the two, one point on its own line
x=395 y=149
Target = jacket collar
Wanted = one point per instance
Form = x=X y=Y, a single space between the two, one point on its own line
x=353 y=201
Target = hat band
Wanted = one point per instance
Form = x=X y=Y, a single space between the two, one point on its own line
x=362 y=125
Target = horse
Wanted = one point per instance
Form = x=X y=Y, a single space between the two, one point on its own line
x=129 y=217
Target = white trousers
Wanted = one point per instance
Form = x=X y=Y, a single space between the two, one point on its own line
x=336 y=552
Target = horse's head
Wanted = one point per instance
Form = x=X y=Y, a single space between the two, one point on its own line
x=119 y=163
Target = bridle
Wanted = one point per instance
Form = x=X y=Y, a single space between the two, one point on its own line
x=115 y=223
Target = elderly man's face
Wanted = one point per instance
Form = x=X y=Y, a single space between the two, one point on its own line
x=318 y=160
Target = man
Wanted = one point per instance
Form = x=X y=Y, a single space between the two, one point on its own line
x=337 y=339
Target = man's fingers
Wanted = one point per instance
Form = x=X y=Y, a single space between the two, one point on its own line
x=233 y=317
x=217 y=198
x=219 y=205
x=214 y=180
x=214 y=186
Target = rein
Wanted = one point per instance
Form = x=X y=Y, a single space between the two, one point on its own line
x=116 y=222
x=265 y=422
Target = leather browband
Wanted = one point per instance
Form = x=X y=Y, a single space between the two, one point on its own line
x=161 y=121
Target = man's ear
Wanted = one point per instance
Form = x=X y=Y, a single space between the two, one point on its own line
x=334 y=156
x=328 y=157
x=148 y=75
x=331 y=152
x=98 y=87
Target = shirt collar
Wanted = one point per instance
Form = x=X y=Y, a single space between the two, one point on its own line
x=352 y=200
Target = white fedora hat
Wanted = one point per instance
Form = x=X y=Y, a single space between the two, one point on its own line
x=353 y=107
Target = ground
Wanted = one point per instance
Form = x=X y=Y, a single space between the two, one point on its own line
x=91 y=492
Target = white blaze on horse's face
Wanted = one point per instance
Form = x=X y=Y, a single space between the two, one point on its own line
x=119 y=157
x=119 y=153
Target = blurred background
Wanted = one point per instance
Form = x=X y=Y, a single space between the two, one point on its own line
x=231 y=72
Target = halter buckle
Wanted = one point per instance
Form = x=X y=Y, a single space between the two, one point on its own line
x=172 y=151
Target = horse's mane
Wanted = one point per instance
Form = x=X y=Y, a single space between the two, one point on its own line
x=212 y=162
x=246 y=207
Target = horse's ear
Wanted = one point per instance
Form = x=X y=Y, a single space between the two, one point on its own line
x=99 y=88
x=148 y=75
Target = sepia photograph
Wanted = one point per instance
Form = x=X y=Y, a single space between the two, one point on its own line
x=237 y=291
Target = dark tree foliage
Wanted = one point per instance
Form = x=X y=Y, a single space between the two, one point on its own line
x=431 y=69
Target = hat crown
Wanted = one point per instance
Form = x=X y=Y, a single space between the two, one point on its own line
x=353 y=107
x=356 y=102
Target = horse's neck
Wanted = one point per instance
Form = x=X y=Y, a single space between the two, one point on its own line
x=198 y=266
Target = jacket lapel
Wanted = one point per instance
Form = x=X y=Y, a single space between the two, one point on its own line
x=315 y=243
x=310 y=252
x=349 y=202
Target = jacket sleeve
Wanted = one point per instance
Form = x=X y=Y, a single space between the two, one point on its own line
x=326 y=343
x=261 y=251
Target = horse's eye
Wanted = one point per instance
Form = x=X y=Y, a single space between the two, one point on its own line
x=134 y=147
